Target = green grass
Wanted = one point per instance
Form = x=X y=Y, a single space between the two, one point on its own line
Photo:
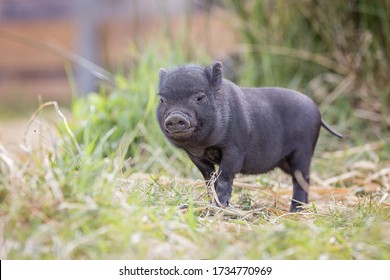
x=336 y=53
x=99 y=214
x=70 y=199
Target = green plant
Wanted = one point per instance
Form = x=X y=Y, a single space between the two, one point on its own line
x=102 y=120
x=336 y=52
x=82 y=193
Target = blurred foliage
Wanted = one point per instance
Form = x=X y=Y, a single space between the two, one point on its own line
x=73 y=198
x=335 y=51
x=104 y=119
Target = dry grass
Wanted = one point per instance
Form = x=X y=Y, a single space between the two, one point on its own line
x=365 y=180
x=58 y=201
x=108 y=186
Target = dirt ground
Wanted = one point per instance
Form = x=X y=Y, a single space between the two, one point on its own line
x=17 y=134
x=12 y=131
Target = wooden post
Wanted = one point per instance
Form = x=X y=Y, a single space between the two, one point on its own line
x=87 y=41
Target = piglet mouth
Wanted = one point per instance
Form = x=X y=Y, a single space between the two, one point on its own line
x=182 y=133
x=178 y=124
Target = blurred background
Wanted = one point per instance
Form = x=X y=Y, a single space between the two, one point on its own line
x=337 y=52
x=37 y=37
x=94 y=177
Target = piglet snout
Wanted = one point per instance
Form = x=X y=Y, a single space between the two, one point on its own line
x=177 y=122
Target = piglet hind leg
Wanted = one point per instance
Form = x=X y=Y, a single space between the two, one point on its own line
x=300 y=173
x=300 y=192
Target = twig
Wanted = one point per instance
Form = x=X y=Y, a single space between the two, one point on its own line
x=301 y=180
x=248 y=186
x=57 y=109
x=376 y=175
x=359 y=149
x=96 y=70
x=343 y=177
x=210 y=186
x=371 y=116
x=343 y=87
x=302 y=54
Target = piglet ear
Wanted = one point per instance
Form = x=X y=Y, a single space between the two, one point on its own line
x=163 y=73
x=214 y=74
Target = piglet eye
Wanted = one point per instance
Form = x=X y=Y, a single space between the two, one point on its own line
x=200 y=97
x=161 y=101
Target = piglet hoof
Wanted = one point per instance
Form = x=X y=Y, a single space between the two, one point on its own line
x=296 y=206
x=223 y=200
x=216 y=203
x=223 y=204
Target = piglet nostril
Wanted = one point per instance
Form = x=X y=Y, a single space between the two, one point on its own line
x=176 y=122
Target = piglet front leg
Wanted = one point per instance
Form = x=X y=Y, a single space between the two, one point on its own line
x=230 y=165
